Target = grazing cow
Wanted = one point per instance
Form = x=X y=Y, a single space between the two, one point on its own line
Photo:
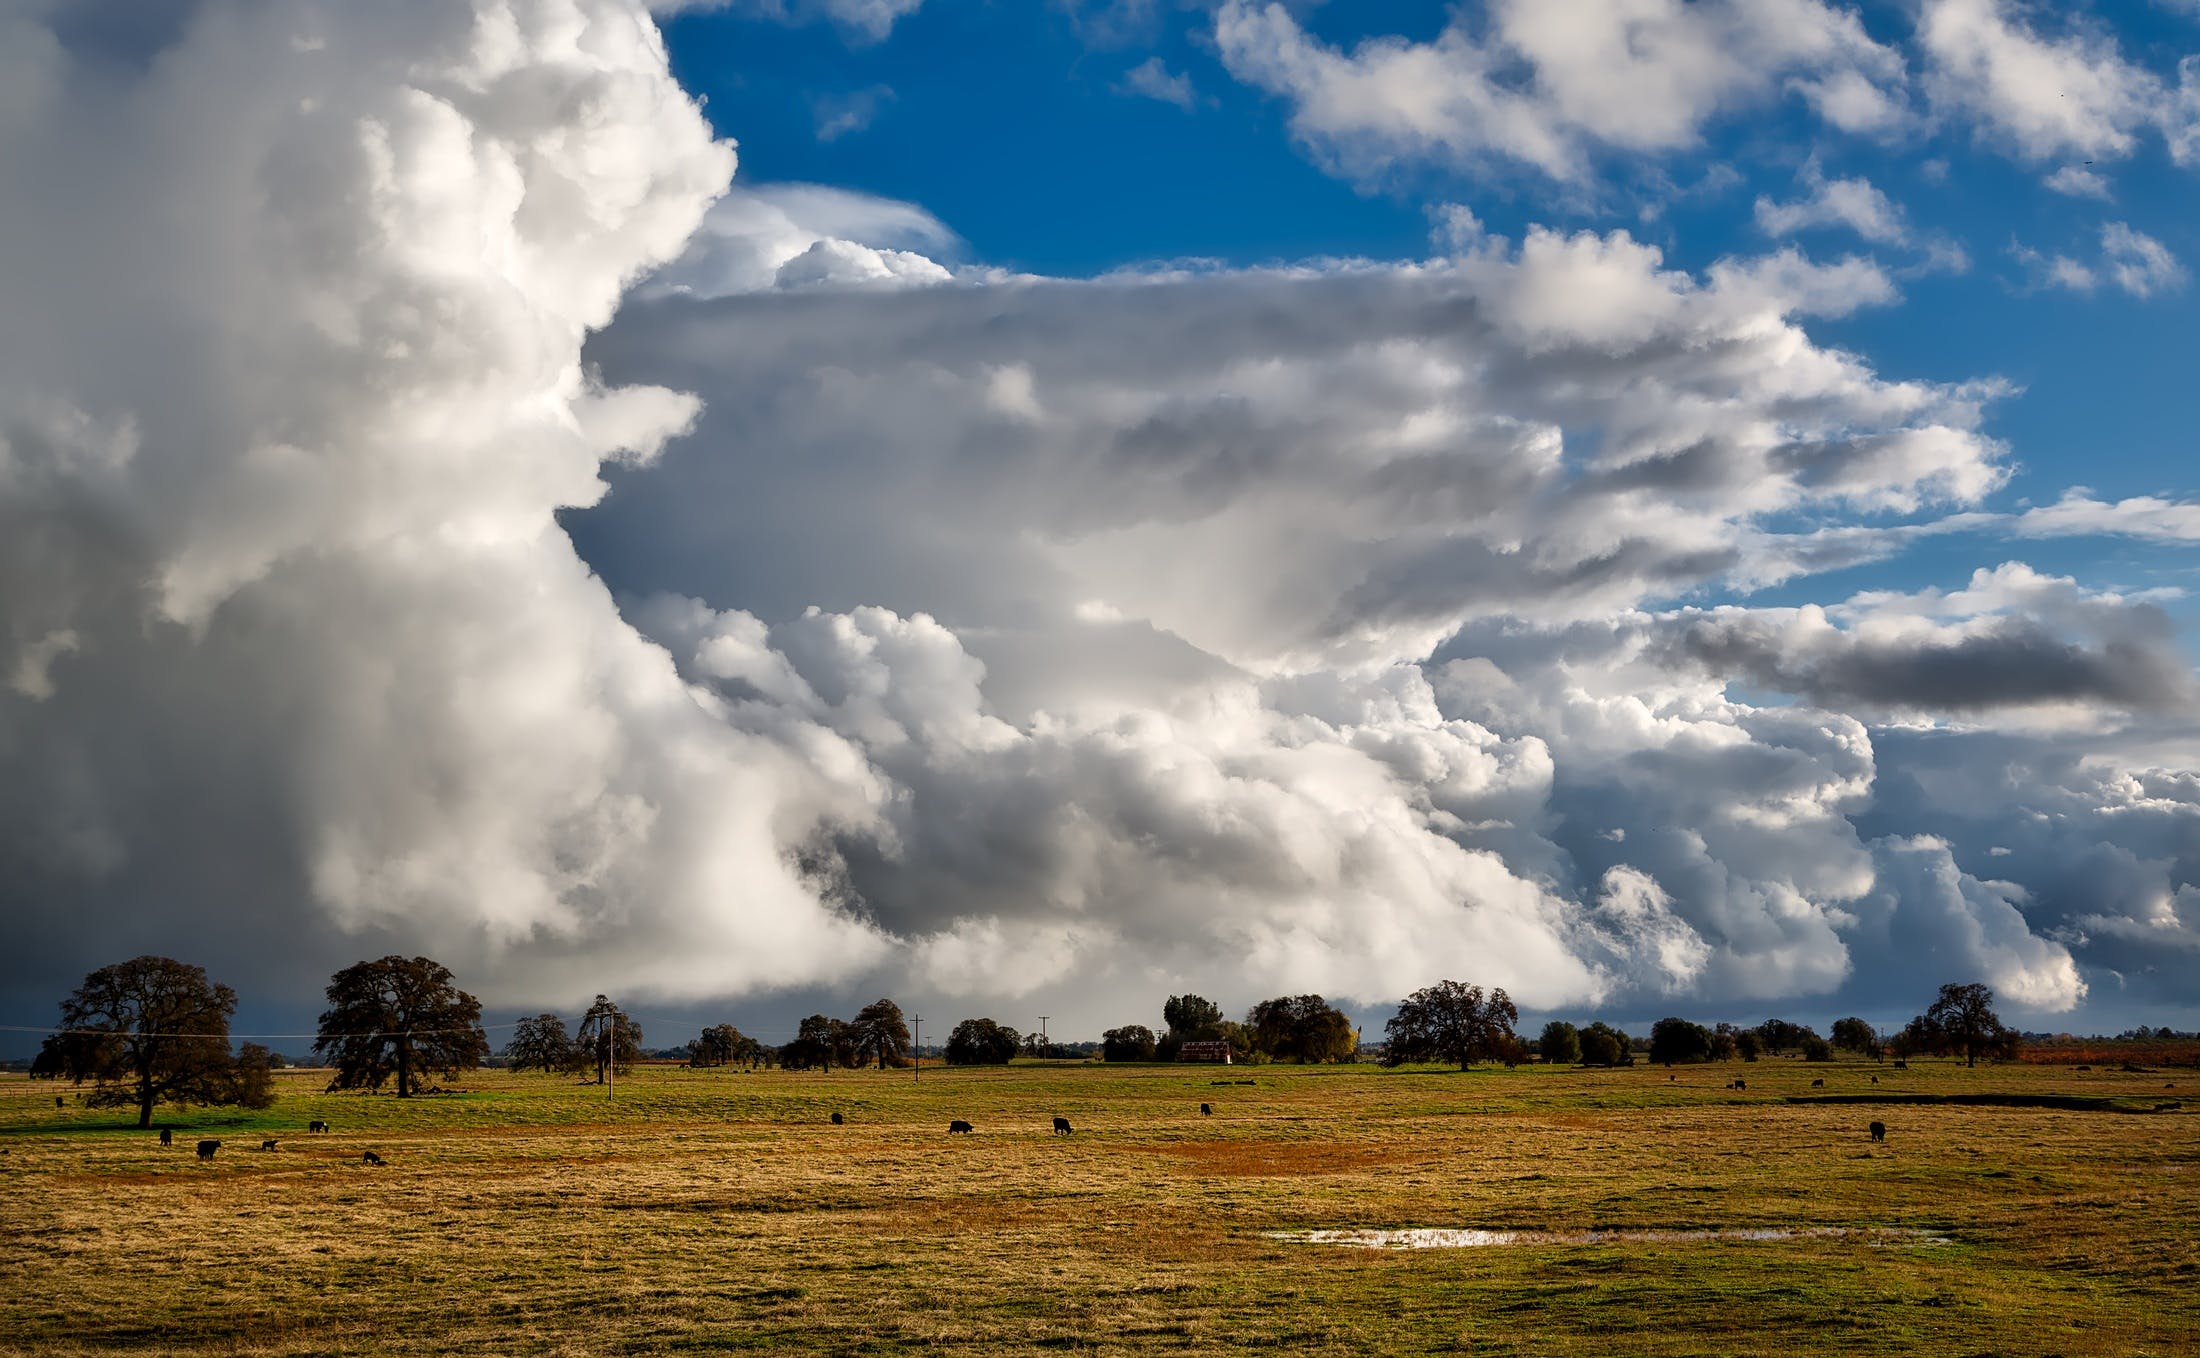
x=838 y=1120
x=1901 y=1064
x=2085 y=1067
x=1817 y=1084
x=1206 y=1110
x=1879 y=1131
x=167 y=1138
x=57 y=1100
x=1875 y=1079
x=370 y=1158
x=1061 y=1126
x=268 y=1144
x=316 y=1126
x=958 y=1125
x=1741 y=1084
x=207 y=1149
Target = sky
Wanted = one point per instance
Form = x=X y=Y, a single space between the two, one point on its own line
x=1664 y=506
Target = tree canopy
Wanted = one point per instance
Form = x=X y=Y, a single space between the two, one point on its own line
x=1301 y=1028
x=1192 y=1018
x=1604 y=1045
x=1560 y=1044
x=1854 y=1034
x=1677 y=1039
x=399 y=1015
x=817 y=1041
x=1131 y=1042
x=722 y=1044
x=1962 y=1019
x=982 y=1042
x=541 y=1043
x=879 y=1033
x=608 y=1039
x=1450 y=1021
x=152 y=1030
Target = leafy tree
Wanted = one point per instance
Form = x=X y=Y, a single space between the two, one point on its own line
x=1449 y=1021
x=1132 y=1042
x=608 y=1039
x=1748 y=1043
x=982 y=1042
x=814 y=1043
x=1560 y=1044
x=1778 y=1035
x=1963 y=1020
x=1816 y=1048
x=1725 y=1042
x=1604 y=1045
x=401 y=1015
x=1676 y=1039
x=541 y=1043
x=253 y=1083
x=1192 y=1018
x=1853 y=1034
x=1300 y=1028
x=879 y=1033
x=147 y=1031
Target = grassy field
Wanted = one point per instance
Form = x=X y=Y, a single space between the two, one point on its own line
x=710 y=1211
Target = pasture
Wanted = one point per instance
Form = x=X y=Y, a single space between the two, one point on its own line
x=716 y=1212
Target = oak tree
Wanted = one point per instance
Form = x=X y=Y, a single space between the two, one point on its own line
x=879 y=1033
x=148 y=1031
x=541 y=1043
x=1450 y=1021
x=402 y=1016
x=608 y=1039
x=982 y=1042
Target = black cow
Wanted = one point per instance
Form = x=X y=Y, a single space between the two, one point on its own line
x=316 y=1126
x=1206 y=1110
x=958 y=1125
x=207 y=1149
x=1061 y=1126
x=1879 y=1131
x=268 y=1144
x=838 y=1120
x=370 y=1158
x=1901 y=1064
x=1817 y=1084
x=167 y=1138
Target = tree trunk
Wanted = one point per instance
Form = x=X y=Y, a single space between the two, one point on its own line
x=145 y=1108
x=404 y=1068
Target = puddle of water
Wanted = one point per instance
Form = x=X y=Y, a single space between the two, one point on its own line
x=1451 y=1238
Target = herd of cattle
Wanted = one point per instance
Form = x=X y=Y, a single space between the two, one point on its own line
x=955 y=1127
x=208 y=1145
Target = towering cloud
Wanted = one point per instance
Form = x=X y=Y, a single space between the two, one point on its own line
x=1291 y=629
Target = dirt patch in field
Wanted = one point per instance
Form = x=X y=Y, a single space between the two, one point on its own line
x=1276 y=1159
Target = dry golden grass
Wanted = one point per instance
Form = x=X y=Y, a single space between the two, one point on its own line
x=707 y=1211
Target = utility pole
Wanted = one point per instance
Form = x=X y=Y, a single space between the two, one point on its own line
x=1046 y=1048
x=916 y=1047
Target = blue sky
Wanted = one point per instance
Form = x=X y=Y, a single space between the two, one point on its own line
x=1021 y=128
